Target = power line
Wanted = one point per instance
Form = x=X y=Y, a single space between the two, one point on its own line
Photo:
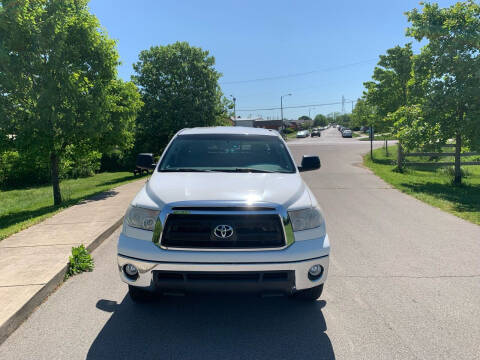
x=291 y=107
x=298 y=74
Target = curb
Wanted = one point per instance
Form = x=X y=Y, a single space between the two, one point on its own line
x=9 y=326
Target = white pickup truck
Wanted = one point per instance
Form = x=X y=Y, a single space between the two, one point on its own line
x=225 y=210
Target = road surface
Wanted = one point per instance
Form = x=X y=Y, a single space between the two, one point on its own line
x=404 y=283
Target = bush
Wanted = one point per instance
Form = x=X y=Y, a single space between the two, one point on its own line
x=17 y=170
x=77 y=163
x=118 y=161
x=80 y=261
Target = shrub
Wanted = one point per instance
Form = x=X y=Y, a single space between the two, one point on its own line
x=79 y=163
x=20 y=170
x=79 y=261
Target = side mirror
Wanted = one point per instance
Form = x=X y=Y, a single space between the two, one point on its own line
x=310 y=162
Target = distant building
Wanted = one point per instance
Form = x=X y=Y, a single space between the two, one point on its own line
x=268 y=124
x=245 y=122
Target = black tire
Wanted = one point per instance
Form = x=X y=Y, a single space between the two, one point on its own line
x=311 y=294
x=138 y=295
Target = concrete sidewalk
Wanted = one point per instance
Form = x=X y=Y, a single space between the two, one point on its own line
x=33 y=261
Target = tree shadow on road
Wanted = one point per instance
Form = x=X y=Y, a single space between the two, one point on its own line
x=213 y=327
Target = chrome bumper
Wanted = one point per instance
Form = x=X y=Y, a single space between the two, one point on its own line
x=300 y=268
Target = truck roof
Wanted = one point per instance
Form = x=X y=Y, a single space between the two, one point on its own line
x=240 y=130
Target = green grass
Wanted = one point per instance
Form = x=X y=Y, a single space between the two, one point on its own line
x=292 y=135
x=356 y=134
x=22 y=208
x=431 y=185
x=378 y=137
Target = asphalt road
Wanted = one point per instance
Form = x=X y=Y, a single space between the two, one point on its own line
x=404 y=283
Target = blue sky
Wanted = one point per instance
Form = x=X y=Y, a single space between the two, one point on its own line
x=335 y=42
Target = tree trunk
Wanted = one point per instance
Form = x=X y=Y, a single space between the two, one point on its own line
x=400 y=157
x=458 y=148
x=371 y=142
x=386 y=146
x=57 y=195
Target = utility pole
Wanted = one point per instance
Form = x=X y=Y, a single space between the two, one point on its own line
x=234 y=108
x=343 y=104
x=281 y=110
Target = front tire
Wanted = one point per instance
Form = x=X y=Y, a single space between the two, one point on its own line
x=138 y=295
x=311 y=294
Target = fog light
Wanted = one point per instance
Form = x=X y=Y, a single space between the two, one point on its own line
x=131 y=271
x=315 y=272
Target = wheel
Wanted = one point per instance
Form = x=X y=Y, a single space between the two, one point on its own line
x=311 y=294
x=138 y=295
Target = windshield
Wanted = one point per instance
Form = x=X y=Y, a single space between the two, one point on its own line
x=229 y=153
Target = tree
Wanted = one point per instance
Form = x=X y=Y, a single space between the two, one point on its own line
x=343 y=119
x=56 y=72
x=304 y=117
x=320 y=120
x=179 y=87
x=388 y=91
x=364 y=114
x=448 y=71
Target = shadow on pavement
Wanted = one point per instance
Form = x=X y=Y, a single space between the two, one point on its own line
x=213 y=327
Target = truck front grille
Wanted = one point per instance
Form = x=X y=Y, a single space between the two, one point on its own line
x=198 y=231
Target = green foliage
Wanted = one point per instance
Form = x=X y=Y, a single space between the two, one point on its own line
x=388 y=91
x=364 y=114
x=57 y=82
x=179 y=87
x=304 y=117
x=447 y=71
x=17 y=169
x=409 y=125
x=77 y=163
x=79 y=261
x=320 y=120
x=343 y=119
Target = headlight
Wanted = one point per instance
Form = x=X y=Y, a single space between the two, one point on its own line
x=141 y=218
x=306 y=219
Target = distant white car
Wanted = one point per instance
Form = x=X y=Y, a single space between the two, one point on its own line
x=302 y=134
x=347 y=133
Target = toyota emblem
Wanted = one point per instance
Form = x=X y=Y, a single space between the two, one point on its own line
x=223 y=231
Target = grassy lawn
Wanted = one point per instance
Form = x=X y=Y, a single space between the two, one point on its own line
x=432 y=185
x=292 y=135
x=22 y=208
x=378 y=137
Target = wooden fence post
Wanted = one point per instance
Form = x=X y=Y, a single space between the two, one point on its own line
x=458 y=171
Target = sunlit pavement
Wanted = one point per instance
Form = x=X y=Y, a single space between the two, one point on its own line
x=404 y=283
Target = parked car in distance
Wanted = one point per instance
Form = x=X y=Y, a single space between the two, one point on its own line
x=347 y=133
x=144 y=163
x=258 y=229
x=302 y=134
x=315 y=132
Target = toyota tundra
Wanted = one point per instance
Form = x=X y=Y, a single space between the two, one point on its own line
x=225 y=210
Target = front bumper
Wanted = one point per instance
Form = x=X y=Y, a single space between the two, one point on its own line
x=298 y=278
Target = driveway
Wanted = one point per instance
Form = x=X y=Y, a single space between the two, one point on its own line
x=404 y=283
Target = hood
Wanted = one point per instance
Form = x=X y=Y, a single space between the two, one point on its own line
x=282 y=189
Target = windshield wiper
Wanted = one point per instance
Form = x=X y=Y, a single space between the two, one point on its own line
x=252 y=170
x=185 y=170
